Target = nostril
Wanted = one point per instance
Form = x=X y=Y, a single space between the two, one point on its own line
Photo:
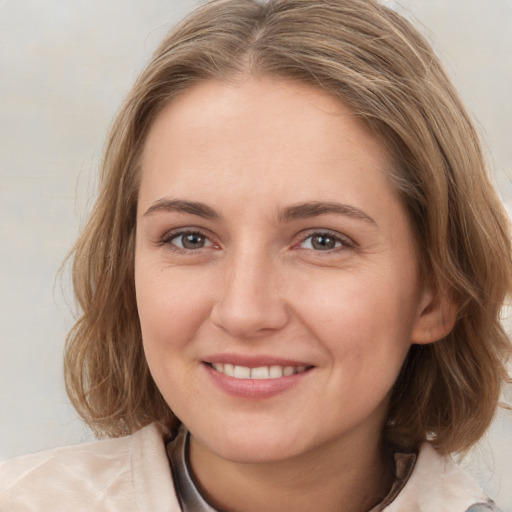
x=249 y=321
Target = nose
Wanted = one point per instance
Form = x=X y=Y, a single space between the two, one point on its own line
x=250 y=300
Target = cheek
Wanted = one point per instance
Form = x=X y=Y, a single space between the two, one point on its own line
x=361 y=318
x=172 y=309
x=171 y=305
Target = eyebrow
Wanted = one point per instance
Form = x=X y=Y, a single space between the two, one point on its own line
x=294 y=212
x=315 y=208
x=180 y=205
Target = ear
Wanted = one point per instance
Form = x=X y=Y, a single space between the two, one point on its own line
x=436 y=318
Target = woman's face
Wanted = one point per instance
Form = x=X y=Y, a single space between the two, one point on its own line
x=277 y=282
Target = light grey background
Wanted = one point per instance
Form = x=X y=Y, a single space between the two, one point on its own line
x=64 y=69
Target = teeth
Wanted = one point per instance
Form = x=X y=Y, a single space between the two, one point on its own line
x=262 y=372
x=229 y=369
x=258 y=373
x=288 y=370
x=242 y=372
x=275 y=372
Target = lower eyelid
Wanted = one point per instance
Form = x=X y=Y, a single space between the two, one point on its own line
x=342 y=241
x=168 y=238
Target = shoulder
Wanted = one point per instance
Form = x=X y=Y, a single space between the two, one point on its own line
x=437 y=484
x=130 y=473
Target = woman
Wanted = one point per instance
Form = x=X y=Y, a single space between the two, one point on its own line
x=291 y=281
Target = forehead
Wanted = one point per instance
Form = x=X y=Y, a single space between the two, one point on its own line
x=259 y=131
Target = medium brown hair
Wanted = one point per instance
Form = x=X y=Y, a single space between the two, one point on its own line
x=374 y=61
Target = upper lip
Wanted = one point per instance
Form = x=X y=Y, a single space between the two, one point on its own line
x=254 y=361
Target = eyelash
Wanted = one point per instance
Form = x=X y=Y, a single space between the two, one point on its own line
x=342 y=242
x=168 y=239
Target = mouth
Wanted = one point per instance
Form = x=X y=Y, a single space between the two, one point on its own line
x=259 y=372
x=255 y=378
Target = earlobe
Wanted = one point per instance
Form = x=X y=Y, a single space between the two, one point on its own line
x=436 y=318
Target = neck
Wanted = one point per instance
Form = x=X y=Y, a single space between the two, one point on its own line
x=323 y=479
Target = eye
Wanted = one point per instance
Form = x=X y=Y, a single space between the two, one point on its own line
x=190 y=240
x=325 y=241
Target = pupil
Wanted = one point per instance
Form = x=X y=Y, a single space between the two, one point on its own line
x=192 y=241
x=323 y=242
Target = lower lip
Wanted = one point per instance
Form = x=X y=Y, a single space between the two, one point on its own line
x=255 y=389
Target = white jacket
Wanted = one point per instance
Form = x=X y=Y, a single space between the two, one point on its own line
x=132 y=474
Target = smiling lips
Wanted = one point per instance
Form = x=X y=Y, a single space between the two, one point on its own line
x=254 y=379
x=258 y=373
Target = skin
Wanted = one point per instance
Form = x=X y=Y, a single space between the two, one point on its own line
x=256 y=282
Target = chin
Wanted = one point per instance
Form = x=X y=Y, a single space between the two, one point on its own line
x=249 y=445
x=244 y=452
